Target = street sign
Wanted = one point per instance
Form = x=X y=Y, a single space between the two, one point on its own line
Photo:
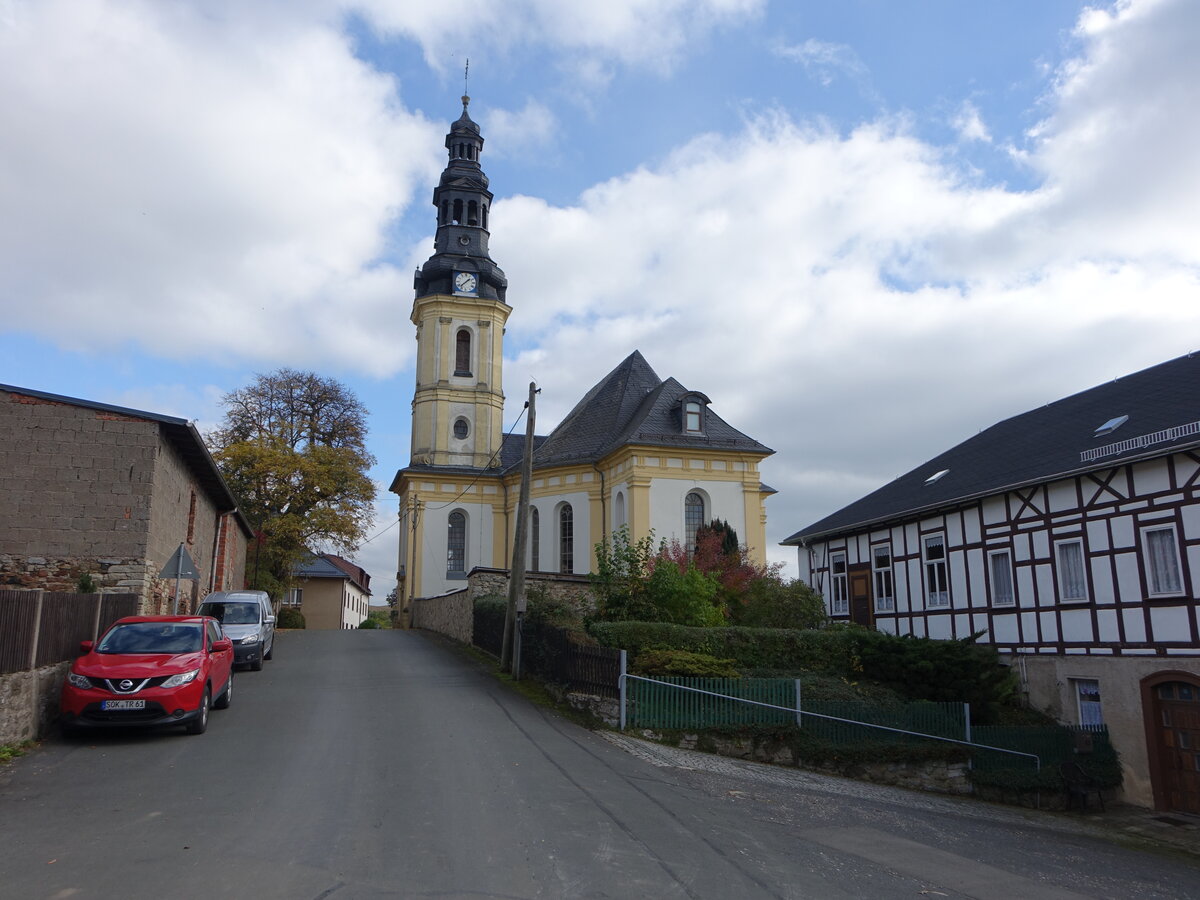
x=180 y=565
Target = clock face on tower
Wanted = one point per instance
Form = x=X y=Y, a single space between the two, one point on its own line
x=465 y=283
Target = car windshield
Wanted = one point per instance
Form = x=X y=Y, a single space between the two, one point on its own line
x=153 y=637
x=231 y=613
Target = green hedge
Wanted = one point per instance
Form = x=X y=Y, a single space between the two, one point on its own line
x=289 y=618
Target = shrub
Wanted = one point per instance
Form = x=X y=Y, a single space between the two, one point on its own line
x=368 y=623
x=85 y=584
x=683 y=663
x=771 y=602
x=289 y=618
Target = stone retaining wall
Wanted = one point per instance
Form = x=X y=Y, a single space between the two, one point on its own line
x=29 y=702
x=451 y=614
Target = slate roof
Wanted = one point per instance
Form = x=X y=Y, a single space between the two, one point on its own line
x=1044 y=444
x=632 y=405
x=182 y=435
x=330 y=565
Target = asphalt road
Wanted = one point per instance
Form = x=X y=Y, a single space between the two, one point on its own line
x=384 y=764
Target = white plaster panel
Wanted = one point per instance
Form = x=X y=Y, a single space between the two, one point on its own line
x=958 y=579
x=1103 y=589
x=718 y=465
x=916 y=591
x=739 y=466
x=1097 y=532
x=725 y=498
x=1026 y=594
x=933 y=523
x=1129 y=582
x=1151 y=477
x=910 y=536
x=901 y=587
x=1077 y=626
x=674 y=463
x=954 y=531
x=1049 y=622
x=569 y=479
x=887 y=626
x=1004 y=630
x=1045 y=586
x=972 y=528
x=1041 y=544
x=938 y=628
x=650 y=461
x=1020 y=543
x=581 y=545
x=1106 y=619
x=976 y=576
x=554 y=481
x=1193 y=556
x=1135 y=625
x=862 y=549
x=1122 y=531
x=1029 y=632
x=803 y=567
x=1190 y=515
x=962 y=626
x=897 y=538
x=1185 y=468
x=1062 y=496
x=695 y=464
x=1171 y=623
x=994 y=511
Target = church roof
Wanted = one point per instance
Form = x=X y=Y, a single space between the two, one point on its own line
x=632 y=405
x=1147 y=414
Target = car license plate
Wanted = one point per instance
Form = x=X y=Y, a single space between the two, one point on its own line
x=122 y=704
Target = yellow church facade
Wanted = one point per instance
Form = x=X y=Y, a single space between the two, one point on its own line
x=637 y=451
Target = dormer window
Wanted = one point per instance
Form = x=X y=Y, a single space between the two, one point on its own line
x=692 y=408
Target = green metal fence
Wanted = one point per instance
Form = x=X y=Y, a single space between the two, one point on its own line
x=676 y=702
x=1053 y=745
x=947 y=720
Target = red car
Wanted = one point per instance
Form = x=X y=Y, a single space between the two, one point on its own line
x=150 y=670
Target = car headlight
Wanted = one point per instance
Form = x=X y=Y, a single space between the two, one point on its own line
x=250 y=638
x=79 y=681
x=180 y=679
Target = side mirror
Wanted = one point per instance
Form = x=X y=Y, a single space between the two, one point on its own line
x=270 y=620
x=222 y=644
x=85 y=647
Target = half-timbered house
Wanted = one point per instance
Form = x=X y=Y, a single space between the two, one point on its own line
x=1069 y=537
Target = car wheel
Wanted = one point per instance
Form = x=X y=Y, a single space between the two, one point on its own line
x=199 y=724
x=256 y=666
x=226 y=695
x=267 y=655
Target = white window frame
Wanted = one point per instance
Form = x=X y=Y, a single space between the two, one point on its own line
x=1060 y=571
x=1153 y=576
x=883 y=579
x=1006 y=566
x=839 y=593
x=936 y=571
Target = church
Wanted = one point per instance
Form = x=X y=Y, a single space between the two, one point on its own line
x=637 y=451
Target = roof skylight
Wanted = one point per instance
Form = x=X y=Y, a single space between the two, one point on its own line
x=1110 y=426
x=937 y=476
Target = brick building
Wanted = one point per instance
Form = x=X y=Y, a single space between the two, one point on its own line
x=91 y=488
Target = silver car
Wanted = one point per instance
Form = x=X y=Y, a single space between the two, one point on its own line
x=248 y=620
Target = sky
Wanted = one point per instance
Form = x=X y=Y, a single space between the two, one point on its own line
x=865 y=229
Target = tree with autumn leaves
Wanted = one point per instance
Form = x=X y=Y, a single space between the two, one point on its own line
x=292 y=448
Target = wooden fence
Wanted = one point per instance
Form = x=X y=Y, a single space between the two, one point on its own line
x=41 y=628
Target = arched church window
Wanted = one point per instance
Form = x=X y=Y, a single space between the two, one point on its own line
x=693 y=518
x=619 y=510
x=472 y=213
x=462 y=352
x=456 y=542
x=566 y=539
x=458 y=209
x=445 y=219
x=483 y=214
x=535 y=539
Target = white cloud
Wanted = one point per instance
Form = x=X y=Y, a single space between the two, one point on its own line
x=825 y=61
x=523 y=132
x=969 y=124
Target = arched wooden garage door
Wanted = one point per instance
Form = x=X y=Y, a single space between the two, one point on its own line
x=1172 y=705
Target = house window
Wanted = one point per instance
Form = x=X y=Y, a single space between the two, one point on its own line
x=456 y=542
x=693 y=417
x=1072 y=583
x=839 y=604
x=619 y=511
x=1160 y=549
x=1087 y=698
x=881 y=564
x=535 y=539
x=295 y=597
x=937 y=584
x=693 y=518
x=566 y=539
x=1000 y=567
x=462 y=352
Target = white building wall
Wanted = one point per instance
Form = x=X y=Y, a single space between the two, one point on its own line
x=724 y=500
x=435 y=546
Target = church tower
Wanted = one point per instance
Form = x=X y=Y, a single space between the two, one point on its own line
x=459 y=311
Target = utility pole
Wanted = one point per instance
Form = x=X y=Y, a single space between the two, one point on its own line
x=510 y=652
x=410 y=578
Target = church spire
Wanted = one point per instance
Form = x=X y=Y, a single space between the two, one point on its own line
x=461 y=263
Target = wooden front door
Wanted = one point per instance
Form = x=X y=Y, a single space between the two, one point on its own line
x=861 y=609
x=1177 y=717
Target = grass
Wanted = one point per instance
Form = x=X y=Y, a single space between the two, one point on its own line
x=9 y=752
